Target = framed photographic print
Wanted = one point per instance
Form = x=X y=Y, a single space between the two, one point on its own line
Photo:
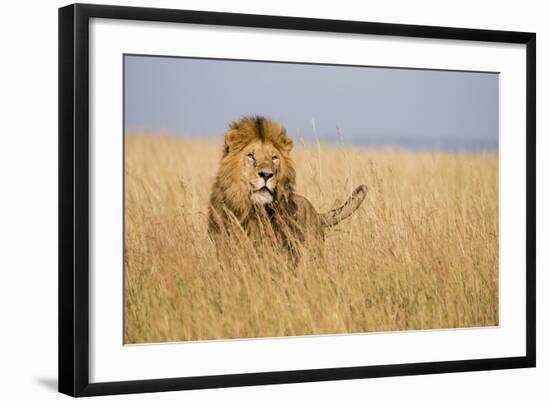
x=250 y=199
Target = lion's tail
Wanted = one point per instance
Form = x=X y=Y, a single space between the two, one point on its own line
x=335 y=216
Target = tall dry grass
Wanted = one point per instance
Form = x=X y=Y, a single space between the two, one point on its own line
x=420 y=253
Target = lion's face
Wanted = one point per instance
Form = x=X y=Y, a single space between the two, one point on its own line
x=256 y=167
x=260 y=171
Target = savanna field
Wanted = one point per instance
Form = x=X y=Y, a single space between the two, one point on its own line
x=420 y=253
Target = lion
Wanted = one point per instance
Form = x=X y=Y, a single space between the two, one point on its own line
x=253 y=193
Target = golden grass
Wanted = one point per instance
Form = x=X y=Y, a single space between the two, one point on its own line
x=420 y=253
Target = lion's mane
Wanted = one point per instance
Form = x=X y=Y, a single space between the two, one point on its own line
x=228 y=200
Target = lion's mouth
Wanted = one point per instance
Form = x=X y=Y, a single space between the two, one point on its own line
x=266 y=189
x=262 y=196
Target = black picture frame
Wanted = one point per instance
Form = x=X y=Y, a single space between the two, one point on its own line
x=74 y=193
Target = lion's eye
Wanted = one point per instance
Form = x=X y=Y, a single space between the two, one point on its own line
x=250 y=156
x=275 y=158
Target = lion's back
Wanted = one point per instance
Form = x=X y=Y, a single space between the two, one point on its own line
x=307 y=218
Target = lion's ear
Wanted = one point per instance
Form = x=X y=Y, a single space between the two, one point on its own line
x=231 y=139
x=286 y=144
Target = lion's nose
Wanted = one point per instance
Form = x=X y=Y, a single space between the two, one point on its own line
x=265 y=175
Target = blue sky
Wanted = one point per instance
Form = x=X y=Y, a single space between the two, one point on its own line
x=383 y=107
